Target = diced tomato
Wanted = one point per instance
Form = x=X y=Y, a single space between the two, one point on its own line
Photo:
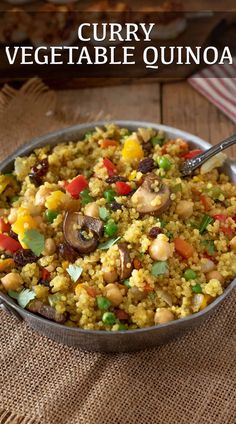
x=77 y=185
x=185 y=249
x=8 y=243
x=92 y=291
x=205 y=202
x=4 y=226
x=110 y=167
x=45 y=274
x=192 y=154
x=122 y=315
x=123 y=188
x=221 y=217
x=108 y=143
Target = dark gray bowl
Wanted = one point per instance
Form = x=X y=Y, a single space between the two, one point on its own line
x=122 y=341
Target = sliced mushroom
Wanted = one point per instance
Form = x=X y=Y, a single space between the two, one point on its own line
x=46 y=311
x=146 y=200
x=82 y=232
x=125 y=260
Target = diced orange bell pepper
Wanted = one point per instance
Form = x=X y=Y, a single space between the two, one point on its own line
x=92 y=291
x=183 y=248
x=6 y=264
x=108 y=143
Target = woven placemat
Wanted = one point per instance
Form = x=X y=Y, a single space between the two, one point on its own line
x=191 y=380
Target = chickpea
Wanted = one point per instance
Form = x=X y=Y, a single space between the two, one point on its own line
x=12 y=217
x=207 y=265
x=12 y=281
x=163 y=315
x=110 y=275
x=112 y=292
x=92 y=209
x=215 y=275
x=41 y=195
x=160 y=249
x=49 y=247
x=184 y=208
x=233 y=243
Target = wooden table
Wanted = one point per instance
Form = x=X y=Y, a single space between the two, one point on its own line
x=176 y=104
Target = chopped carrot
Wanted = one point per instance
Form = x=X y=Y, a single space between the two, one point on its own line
x=183 y=248
x=91 y=291
x=148 y=288
x=6 y=264
x=108 y=143
x=206 y=202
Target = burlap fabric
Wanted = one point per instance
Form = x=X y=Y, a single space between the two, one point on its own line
x=191 y=380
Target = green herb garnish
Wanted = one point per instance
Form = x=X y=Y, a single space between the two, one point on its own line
x=107 y=244
x=74 y=272
x=85 y=197
x=24 y=297
x=35 y=241
x=210 y=247
x=206 y=220
x=159 y=268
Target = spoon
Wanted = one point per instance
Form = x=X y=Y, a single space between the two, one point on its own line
x=191 y=164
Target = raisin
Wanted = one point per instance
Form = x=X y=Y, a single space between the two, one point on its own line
x=67 y=252
x=38 y=172
x=115 y=178
x=153 y=233
x=24 y=257
x=146 y=165
x=44 y=282
x=147 y=147
x=115 y=206
x=13 y=235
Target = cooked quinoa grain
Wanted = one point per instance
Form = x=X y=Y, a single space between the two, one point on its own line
x=119 y=240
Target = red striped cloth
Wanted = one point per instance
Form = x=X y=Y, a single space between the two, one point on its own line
x=218 y=84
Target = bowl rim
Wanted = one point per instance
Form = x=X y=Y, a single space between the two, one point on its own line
x=134 y=124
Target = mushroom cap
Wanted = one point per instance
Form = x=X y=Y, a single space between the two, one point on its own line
x=146 y=200
x=124 y=261
x=74 y=226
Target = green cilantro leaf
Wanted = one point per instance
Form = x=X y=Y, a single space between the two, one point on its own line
x=35 y=241
x=24 y=297
x=206 y=220
x=103 y=213
x=159 y=268
x=74 y=271
x=107 y=244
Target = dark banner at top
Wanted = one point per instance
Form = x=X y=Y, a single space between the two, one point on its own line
x=115 y=45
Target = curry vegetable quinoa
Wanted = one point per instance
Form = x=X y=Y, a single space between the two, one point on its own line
x=104 y=233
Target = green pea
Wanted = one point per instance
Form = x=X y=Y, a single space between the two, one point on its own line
x=164 y=163
x=127 y=284
x=122 y=327
x=189 y=274
x=103 y=302
x=109 y=318
x=85 y=197
x=51 y=215
x=197 y=288
x=109 y=195
x=110 y=229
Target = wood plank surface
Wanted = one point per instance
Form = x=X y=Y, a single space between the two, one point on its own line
x=184 y=108
x=135 y=101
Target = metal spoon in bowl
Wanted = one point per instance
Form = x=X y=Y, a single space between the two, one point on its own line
x=191 y=164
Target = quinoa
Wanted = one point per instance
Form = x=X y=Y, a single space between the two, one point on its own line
x=138 y=210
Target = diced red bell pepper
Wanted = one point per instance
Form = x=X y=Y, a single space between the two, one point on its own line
x=221 y=217
x=110 y=167
x=77 y=185
x=45 y=274
x=8 y=243
x=123 y=188
x=227 y=230
x=122 y=315
x=192 y=154
x=4 y=226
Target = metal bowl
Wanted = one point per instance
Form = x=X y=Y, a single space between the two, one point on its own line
x=103 y=341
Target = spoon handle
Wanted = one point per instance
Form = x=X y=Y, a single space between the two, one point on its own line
x=191 y=164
